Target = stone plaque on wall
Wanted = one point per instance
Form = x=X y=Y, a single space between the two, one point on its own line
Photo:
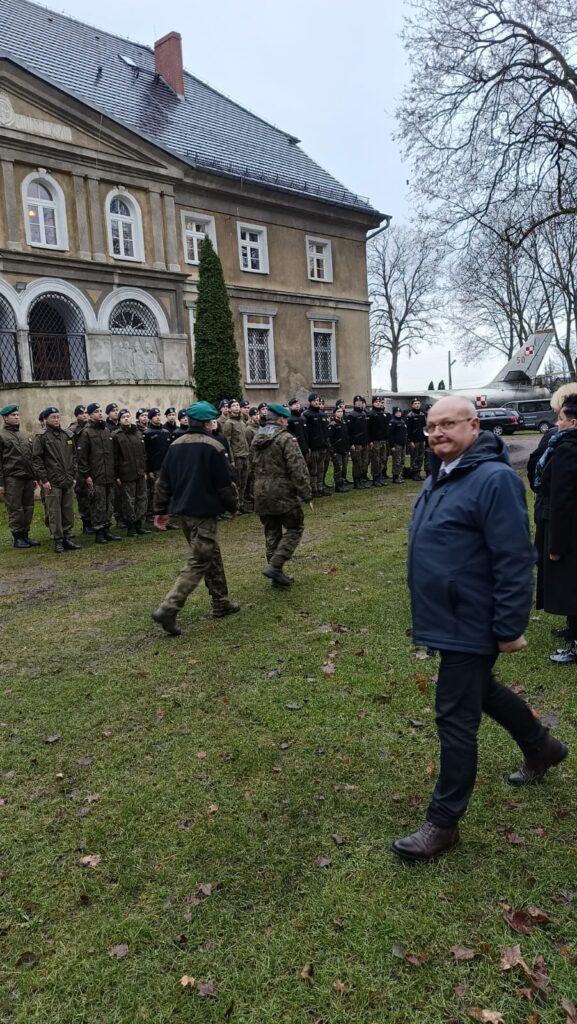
x=136 y=358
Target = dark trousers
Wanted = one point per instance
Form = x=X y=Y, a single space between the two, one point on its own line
x=280 y=546
x=466 y=688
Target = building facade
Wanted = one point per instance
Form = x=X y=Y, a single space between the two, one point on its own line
x=113 y=170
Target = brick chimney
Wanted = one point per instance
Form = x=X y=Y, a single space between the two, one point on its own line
x=168 y=61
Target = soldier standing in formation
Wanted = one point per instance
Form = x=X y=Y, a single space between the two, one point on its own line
x=416 y=425
x=130 y=474
x=317 y=437
x=357 y=424
x=82 y=497
x=378 y=421
x=111 y=421
x=398 y=443
x=156 y=443
x=96 y=467
x=182 y=424
x=54 y=454
x=234 y=430
x=297 y=426
x=281 y=483
x=170 y=424
x=17 y=480
x=340 y=447
x=195 y=483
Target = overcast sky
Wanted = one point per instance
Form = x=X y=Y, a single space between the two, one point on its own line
x=329 y=71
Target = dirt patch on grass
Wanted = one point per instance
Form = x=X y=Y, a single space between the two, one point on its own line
x=120 y=563
x=36 y=581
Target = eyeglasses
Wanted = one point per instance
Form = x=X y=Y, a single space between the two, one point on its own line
x=445 y=426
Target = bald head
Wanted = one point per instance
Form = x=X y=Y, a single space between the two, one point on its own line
x=453 y=426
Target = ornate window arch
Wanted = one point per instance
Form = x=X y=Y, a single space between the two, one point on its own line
x=124 y=224
x=44 y=207
x=9 y=360
x=132 y=317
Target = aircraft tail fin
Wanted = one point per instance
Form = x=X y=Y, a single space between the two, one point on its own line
x=523 y=367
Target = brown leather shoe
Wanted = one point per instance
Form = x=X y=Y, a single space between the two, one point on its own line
x=427 y=843
x=533 y=769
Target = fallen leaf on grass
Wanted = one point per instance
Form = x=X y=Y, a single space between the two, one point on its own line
x=187 y=981
x=92 y=860
x=463 y=953
x=514 y=839
x=461 y=989
x=533 y=1018
x=212 y=808
x=570 y=1010
x=208 y=989
x=488 y=1016
x=381 y=698
x=538 y=915
x=200 y=754
x=160 y=715
x=338 y=924
x=360 y=653
x=329 y=569
x=524 y=921
x=416 y=959
x=323 y=862
x=364 y=631
x=337 y=839
x=118 y=952
x=416 y=723
x=540 y=832
x=52 y=739
x=307 y=973
x=519 y=688
x=329 y=668
x=85 y=762
x=429 y=769
x=421 y=655
x=293 y=706
x=92 y=798
x=184 y=824
x=341 y=629
x=339 y=986
x=511 y=957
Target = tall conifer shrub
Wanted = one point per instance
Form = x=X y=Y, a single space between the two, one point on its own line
x=216 y=367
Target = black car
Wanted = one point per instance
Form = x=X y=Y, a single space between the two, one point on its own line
x=500 y=421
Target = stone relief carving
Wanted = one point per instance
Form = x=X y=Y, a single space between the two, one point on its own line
x=136 y=358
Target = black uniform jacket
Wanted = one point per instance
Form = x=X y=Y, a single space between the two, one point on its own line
x=339 y=436
x=378 y=424
x=297 y=427
x=317 y=428
x=397 y=432
x=195 y=479
x=156 y=444
x=416 y=423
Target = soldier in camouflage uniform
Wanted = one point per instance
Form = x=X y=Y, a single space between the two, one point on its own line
x=96 y=467
x=130 y=473
x=398 y=443
x=281 y=483
x=195 y=483
x=17 y=477
x=234 y=430
x=82 y=496
x=416 y=425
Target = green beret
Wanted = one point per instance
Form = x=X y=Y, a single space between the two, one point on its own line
x=202 y=411
x=280 y=410
x=8 y=409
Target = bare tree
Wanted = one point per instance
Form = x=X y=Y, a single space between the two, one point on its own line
x=500 y=296
x=554 y=253
x=403 y=263
x=490 y=116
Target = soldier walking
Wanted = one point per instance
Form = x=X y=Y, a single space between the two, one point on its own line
x=96 y=468
x=281 y=483
x=195 y=483
x=17 y=477
x=130 y=473
x=54 y=455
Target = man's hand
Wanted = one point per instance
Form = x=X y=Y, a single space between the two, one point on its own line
x=118 y=482
x=47 y=487
x=152 y=476
x=161 y=522
x=510 y=646
x=554 y=558
x=89 y=483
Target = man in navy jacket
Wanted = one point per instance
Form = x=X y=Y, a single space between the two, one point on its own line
x=471 y=580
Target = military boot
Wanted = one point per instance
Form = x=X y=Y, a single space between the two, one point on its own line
x=274 y=573
x=167 y=620
x=110 y=536
x=87 y=526
x=58 y=547
x=357 y=484
x=131 y=531
x=140 y=530
x=99 y=537
x=19 y=541
x=31 y=543
x=550 y=753
x=227 y=609
x=69 y=545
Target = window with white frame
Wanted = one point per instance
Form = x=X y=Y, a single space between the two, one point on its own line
x=324 y=351
x=124 y=227
x=319 y=259
x=253 y=248
x=259 y=345
x=195 y=228
x=44 y=211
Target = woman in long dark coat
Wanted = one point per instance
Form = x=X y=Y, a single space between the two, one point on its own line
x=556 y=529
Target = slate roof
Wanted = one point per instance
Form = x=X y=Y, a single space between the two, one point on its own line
x=206 y=129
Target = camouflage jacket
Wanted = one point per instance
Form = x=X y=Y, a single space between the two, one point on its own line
x=234 y=430
x=281 y=477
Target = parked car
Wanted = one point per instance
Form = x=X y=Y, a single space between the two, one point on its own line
x=536 y=413
x=500 y=421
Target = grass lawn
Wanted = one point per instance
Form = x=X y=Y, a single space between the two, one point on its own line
x=227 y=759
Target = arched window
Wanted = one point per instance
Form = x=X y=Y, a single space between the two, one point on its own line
x=56 y=335
x=9 y=362
x=44 y=212
x=133 y=317
x=124 y=227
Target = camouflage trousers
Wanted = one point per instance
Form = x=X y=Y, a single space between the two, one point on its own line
x=327 y=462
x=19 y=499
x=204 y=562
x=316 y=462
x=398 y=453
x=150 y=485
x=101 y=505
x=417 y=457
x=59 y=505
x=241 y=471
x=133 y=500
x=281 y=546
x=378 y=456
x=83 y=499
x=360 y=461
x=340 y=463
